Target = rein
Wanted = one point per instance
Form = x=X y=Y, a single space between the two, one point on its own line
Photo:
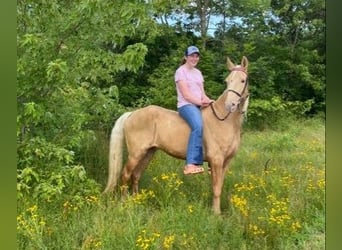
x=231 y=90
x=216 y=115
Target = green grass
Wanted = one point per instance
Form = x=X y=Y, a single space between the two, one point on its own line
x=273 y=198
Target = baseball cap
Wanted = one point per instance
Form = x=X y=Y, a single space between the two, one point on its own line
x=190 y=50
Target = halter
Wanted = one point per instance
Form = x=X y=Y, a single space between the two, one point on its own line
x=234 y=91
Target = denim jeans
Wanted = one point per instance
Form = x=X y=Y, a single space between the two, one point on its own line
x=193 y=116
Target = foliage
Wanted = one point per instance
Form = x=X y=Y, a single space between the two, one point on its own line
x=272 y=113
x=67 y=54
x=45 y=172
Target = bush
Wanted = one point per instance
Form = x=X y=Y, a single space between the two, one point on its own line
x=275 y=113
x=47 y=171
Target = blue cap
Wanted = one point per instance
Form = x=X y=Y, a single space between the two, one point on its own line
x=190 y=50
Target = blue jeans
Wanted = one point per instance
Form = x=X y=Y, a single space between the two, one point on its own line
x=193 y=116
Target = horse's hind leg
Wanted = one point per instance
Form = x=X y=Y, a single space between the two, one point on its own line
x=126 y=174
x=133 y=169
x=141 y=168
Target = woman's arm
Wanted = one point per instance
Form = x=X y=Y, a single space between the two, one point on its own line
x=205 y=99
x=183 y=88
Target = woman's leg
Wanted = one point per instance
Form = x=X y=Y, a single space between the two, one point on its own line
x=193 y=116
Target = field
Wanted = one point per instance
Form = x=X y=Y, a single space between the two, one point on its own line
x=273 y=198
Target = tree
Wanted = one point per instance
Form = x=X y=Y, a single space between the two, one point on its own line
x=68 y=54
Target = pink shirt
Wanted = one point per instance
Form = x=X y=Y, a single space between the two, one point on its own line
x=194 y=80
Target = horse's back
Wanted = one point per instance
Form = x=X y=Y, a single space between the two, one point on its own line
x=152 y=114
x=155 y=126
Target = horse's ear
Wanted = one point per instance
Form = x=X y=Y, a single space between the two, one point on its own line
x=230 y=65
x=244 y=62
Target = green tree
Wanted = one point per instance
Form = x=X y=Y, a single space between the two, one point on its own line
x=285 y=41
x=301 y=26
x=68 y=55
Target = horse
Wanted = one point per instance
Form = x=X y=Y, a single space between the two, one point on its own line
x=152 y=128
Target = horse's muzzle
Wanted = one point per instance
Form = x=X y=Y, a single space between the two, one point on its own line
x=233 y=106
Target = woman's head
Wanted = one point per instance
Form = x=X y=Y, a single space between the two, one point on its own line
x=191 y=56
x=191 y=50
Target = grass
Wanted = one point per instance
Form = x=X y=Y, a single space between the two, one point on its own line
x=273 y=198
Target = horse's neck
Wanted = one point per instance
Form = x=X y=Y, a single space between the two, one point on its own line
x=220 y=103
x=236 y=117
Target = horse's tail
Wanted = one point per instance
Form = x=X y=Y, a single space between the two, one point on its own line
x=115 y=152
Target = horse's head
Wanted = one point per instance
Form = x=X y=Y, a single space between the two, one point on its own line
x=237 y=84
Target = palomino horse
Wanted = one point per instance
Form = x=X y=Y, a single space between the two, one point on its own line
x=150 y=128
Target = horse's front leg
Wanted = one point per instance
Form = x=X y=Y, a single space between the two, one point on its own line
x=217 y=177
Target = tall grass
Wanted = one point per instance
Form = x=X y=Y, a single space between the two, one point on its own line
x=273 y=198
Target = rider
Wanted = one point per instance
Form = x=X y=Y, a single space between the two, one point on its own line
x=190 y=98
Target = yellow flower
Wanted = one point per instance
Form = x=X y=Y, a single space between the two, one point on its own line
x=190 y=208
x=165 y=177
x=168 y=241
x=32 y=209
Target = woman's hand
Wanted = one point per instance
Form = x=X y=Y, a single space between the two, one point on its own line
x=206 y=101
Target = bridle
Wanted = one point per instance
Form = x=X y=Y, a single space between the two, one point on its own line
x=235 y=92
